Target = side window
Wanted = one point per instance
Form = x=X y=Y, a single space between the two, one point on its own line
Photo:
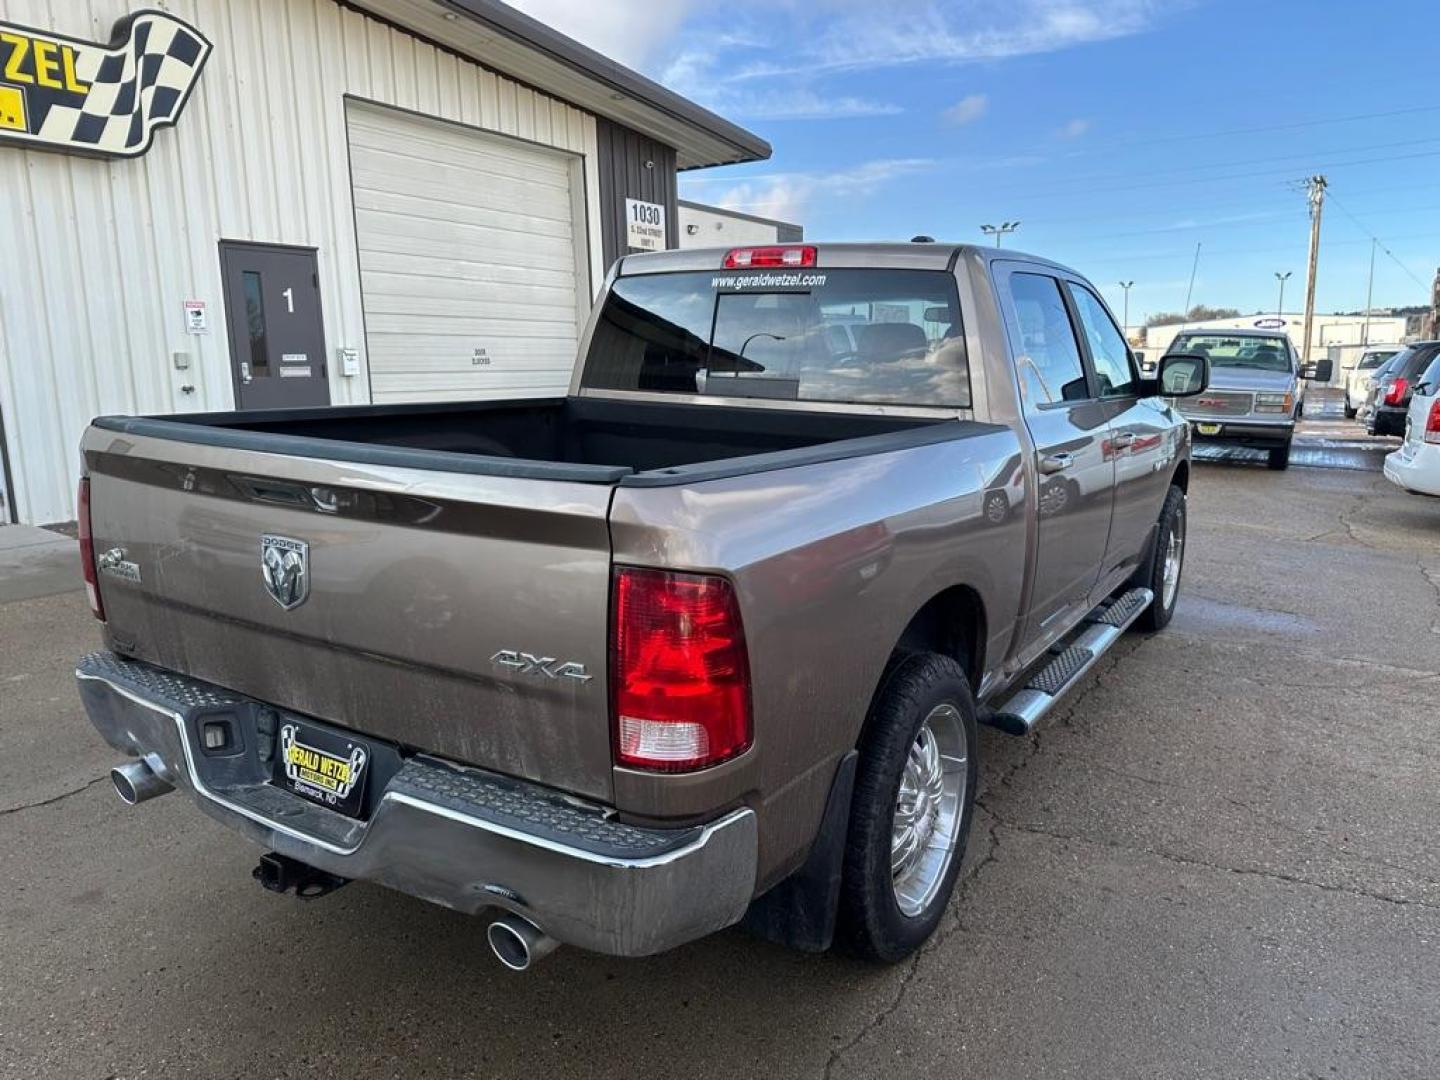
x=1107 y=344
x=1048 y=357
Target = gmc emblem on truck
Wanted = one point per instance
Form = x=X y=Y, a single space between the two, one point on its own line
x=548 y=667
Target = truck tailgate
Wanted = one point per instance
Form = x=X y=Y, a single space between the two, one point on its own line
x=423 y=592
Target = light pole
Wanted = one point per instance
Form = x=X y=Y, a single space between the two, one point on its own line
x=1000 y=230
x=1280 y=307
x=1126 y=324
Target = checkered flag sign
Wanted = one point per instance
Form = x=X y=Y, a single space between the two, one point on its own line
x=66 y=94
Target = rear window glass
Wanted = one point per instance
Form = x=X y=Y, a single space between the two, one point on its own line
x=847 y=335
x=1412 y=364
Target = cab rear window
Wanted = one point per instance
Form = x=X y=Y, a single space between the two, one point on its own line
x=843 y=335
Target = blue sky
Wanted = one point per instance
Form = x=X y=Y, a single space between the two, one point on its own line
x=1119 y=132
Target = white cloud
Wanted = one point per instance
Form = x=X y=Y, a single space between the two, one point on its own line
x=1073 y=129
x=967 y=110
x=872 y=36
x=634 y=32
x=791 y=196
x=806 y=105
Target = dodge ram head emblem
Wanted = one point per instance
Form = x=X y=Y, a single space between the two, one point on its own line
x=285 y=566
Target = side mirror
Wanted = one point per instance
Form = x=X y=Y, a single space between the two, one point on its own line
x=1320 y=371
x=1183 y=375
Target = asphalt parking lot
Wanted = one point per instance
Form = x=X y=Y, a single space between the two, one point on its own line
x=1220 y=860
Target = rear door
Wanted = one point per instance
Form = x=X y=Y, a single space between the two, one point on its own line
x=1070 y=427
x=1141 y=439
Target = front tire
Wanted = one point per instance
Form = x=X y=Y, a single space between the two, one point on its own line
x=1161 y=572
x=1279 y=457
x=911 y=811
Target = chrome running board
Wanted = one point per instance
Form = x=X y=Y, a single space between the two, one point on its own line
x=1069 y=662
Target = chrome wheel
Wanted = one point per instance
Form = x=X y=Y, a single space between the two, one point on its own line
x=1174 y=558
x=928 y=807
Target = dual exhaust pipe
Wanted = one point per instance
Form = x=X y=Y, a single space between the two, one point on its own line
x=135 y=782
x=516 y=941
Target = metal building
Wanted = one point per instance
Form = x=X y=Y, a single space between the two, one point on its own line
x=268 y=203
x=702 y=225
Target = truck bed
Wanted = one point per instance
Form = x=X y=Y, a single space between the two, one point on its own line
x=587 y=440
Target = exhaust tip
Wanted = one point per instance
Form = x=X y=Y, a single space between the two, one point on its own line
x=123 y=787
x=136 y=782
x=518 y=943
x=509 y=946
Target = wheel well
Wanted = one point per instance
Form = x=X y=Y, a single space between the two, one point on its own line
x=1181 y=479
x=951 y=623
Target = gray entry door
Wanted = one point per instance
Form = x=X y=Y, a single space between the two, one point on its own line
x=277 y=341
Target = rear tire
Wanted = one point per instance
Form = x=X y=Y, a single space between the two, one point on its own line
x=923 y=692
x=1280 y=457
x=1161 y=571
x=1350 y=410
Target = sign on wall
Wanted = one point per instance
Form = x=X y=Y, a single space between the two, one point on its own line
x=61 y=93
x=644 y=225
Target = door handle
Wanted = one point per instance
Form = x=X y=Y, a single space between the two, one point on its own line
x=1123 y=440
x=245 y=376
x=1054 y=463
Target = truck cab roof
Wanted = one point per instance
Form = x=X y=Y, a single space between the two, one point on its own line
x=909 y=255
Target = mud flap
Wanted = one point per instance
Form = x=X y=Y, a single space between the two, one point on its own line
x=800 y=911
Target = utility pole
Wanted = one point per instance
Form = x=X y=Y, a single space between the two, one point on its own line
x=1126 y=286
x=1280 y=304
x=1000 y=230
x=1369 y=294
x=1316 y=193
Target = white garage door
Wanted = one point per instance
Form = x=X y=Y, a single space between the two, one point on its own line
x=472 y=259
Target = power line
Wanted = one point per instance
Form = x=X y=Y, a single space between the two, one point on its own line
x=1361 y=226
x=1294 y=125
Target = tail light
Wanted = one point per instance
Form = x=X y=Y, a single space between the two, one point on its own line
x=679 y=671
x=87 y=549
x=749 y=258
x=1396 y=394
x=1432 y=423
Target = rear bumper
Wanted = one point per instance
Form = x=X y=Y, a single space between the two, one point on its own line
x=459 y=837
x=1418 y=472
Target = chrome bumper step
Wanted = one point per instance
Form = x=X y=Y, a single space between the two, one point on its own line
x=1069 y=663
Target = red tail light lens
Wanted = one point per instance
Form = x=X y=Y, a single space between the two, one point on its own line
x=749 y=258
x=679 y=671
x=1432 y=423
x=1396 y=394
x=87 y=549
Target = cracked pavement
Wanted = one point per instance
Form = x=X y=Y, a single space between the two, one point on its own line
x=1218 y=858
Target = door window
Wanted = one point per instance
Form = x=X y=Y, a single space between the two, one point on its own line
x=1048 y=354
x=1108 y=350
x=255 y=324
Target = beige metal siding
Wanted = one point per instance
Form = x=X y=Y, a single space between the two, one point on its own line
x=99 y=255
x=472 y=259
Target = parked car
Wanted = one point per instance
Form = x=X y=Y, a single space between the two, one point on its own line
x=1256 y=392
x=644 y=662
x=1416 y=465
x=1389 y=399
x=1357 y=379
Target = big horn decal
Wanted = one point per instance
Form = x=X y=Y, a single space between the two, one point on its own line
x=60 y=93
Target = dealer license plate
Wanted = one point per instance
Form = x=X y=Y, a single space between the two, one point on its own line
x=322 y=766
x=1208 y=429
